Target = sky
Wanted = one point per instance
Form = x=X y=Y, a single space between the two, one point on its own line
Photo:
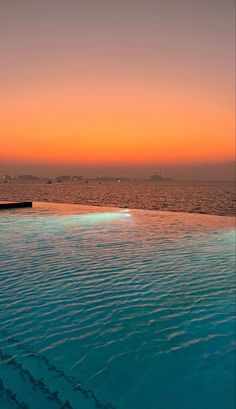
x=116 y=85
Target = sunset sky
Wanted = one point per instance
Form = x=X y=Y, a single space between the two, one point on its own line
x=116 y=82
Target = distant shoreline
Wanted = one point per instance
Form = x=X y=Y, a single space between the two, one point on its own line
x=116 y=180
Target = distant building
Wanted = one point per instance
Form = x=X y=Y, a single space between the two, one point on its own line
x=63 y=178
x=110 y=178
x=28 y=177
x=7 y=177
x=157 y=175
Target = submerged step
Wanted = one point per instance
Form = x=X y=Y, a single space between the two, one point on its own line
x=10 y=396
x=40 y=382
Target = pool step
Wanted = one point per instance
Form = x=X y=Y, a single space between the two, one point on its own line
x=42 y=377
x=7 y=395
x=33 y=391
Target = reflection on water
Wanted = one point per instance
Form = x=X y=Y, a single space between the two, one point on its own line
x=116 y=309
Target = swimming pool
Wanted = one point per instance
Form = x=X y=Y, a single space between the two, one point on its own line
x=109 y=308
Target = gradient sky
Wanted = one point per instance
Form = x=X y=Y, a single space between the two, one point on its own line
x=116 y=82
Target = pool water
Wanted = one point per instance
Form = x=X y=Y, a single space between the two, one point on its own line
x=116 y=309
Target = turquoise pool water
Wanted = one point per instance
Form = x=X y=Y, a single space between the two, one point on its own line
x=111 y=309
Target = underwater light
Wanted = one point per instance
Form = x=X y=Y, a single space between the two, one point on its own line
x=102 y=217
x=87 y=219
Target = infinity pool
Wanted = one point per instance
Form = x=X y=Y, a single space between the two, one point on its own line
x=116 y=309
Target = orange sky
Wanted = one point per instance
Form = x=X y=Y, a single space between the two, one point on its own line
x=107 y=99
x=126 y=126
